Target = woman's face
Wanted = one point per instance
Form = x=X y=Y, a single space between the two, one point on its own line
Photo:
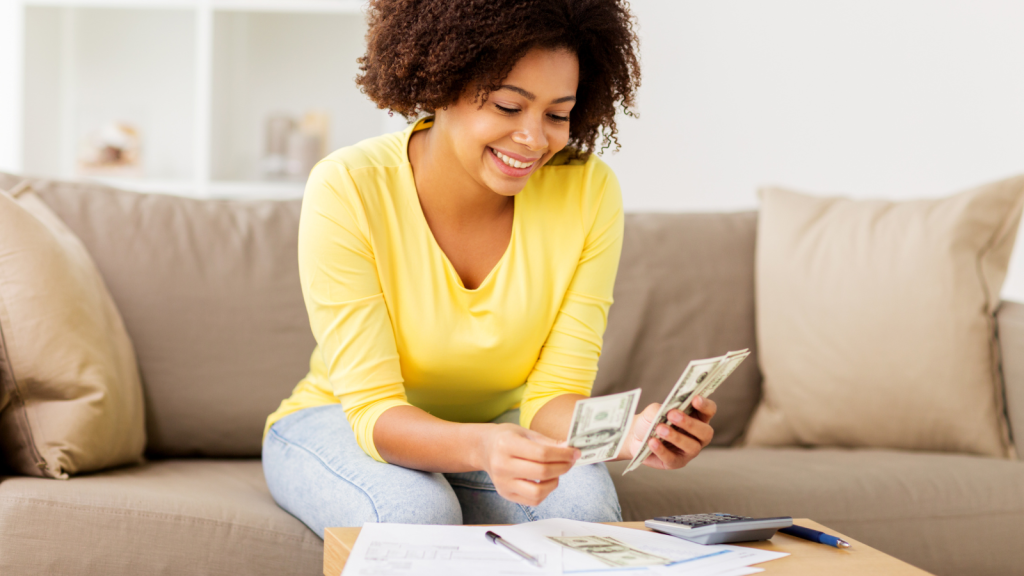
x=520 y=126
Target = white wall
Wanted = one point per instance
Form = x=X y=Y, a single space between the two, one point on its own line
x=870 y=98
x=10 y=69
x=867 y=98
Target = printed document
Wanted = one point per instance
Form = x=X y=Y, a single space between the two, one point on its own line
x=406 y=550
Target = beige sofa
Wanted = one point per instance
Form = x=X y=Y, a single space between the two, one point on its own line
x=209 y=293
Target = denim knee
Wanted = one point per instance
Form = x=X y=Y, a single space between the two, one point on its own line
x=334 y=483
x=585 y=493
x=425 y=498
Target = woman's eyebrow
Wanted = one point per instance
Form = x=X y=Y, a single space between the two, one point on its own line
x=531 y=96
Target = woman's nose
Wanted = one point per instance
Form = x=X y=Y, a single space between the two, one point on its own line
x=531 y=134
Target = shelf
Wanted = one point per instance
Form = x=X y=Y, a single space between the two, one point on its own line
x=116 y=4
x=268 y=64
x=293 y=6
x=197 y=80
x=87 y=68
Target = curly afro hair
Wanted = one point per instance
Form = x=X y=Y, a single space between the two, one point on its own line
x=422 y=55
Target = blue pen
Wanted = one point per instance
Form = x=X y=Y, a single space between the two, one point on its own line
x=814 y=536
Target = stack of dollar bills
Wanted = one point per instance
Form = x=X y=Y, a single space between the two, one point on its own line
x=600 y=426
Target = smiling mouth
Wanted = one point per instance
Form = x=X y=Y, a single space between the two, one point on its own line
x=512 y=162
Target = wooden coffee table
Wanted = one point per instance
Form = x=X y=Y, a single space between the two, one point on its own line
x=804 y=557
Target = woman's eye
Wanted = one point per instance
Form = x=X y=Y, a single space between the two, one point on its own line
x=504 y=110
x=558 y=118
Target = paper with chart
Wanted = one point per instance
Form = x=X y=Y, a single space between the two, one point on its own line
x=699 y=378
x=427 y=550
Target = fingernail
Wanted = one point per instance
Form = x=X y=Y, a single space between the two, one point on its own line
x=698 y=401
x=676 y=417
x=662 y=431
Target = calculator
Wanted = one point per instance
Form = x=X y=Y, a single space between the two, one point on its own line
x=718 y=528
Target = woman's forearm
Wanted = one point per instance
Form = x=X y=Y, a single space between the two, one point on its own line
x=553 y=419
x=410 y=437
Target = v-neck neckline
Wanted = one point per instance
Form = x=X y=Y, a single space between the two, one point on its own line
x=424 y=124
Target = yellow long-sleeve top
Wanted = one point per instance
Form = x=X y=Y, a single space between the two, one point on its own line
x=395 y=325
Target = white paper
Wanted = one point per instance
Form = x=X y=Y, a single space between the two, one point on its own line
x=687 y=557
x=407 y=549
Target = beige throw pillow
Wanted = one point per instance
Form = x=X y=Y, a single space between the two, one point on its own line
x=70 y=396
x=875 y=320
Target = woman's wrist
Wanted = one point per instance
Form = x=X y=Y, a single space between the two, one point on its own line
x=478 y=439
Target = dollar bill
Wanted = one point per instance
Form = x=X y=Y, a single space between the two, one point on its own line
x=699 y=378
x=610 y=551
x=600 y=426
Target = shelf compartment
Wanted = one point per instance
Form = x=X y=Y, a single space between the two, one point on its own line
x=87 y=67
x=274 y=63
x=295 y=6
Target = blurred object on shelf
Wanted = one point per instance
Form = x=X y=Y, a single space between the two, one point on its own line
x=113 y=149
x=279 y=127
x=293 y=148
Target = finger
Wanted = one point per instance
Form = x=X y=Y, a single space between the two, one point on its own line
x=653 y=460
x=700 y=430
x=542 y=439
x=528 y=470
x=667 y=459
x=683 y=443
x=645 y=418
x=531 y=493
x=537 y=448
x=706 y=409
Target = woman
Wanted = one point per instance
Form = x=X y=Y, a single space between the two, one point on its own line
x=458 y=275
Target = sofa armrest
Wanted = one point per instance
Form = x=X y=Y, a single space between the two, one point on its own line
x=1010 y=318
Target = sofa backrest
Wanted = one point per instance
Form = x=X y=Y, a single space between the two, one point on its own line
x=685 y=290
x=210 y=295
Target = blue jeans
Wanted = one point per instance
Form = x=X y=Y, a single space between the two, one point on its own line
x=317 y=472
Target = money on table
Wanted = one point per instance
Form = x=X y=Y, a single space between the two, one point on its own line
x=699 y=378
x=600 y=426
x=610 y=551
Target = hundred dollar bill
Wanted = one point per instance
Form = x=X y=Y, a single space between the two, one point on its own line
x=699 y=378
x=600 y=426
x=610 y=551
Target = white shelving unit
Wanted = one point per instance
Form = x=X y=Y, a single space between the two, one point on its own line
x=198 y=78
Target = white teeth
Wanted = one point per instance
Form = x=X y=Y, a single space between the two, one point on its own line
x=510 y=161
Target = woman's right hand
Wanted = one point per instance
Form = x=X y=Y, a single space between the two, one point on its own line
x=525 y=465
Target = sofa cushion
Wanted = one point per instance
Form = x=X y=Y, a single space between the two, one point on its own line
x=70 y=397
x=183 y=517
x=876 y=321
x=946 y=513
x=209 y=292
x=685 y=290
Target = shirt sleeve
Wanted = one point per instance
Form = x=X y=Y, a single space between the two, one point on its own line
x=568 y=360
x=346 y=307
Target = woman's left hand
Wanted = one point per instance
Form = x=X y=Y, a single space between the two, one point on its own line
x=675 y=444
